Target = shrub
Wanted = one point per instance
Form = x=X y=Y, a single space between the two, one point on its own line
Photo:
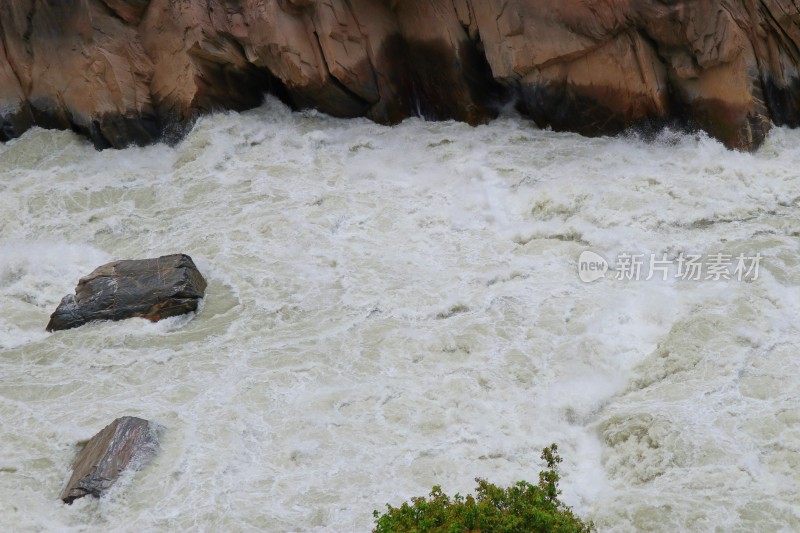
x=521 y=508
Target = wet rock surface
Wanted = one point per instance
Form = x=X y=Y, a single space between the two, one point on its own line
x=134 y=71
x=124 y=444
x=148 y=288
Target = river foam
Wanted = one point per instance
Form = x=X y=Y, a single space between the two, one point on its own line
x=392 y=308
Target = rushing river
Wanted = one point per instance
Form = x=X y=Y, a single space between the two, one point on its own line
x=393 y=308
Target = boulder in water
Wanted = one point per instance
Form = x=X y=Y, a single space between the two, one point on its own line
x=149 y=288
x=125 y=443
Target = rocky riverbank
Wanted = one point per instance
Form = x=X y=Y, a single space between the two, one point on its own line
x=135 y=71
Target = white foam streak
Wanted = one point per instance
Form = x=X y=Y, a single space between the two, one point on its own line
x=392 y=308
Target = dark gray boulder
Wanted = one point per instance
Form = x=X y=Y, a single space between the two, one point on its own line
x=149 y=288
x=125 y=443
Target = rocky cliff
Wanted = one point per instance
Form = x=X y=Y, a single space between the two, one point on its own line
x=134 y=71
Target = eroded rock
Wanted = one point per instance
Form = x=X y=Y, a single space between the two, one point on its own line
x=132 y=71
x=148 y=288
x=126 y=443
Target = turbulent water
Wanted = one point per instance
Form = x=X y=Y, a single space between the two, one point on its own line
x=393 y=308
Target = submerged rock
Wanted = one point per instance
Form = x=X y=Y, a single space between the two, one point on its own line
x=148 y=288
x=125 y=443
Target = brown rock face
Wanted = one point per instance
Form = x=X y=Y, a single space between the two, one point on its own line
x=148 y=288
x=130 y=71
x=123 y=444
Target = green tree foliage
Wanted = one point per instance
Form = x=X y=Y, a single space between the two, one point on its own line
x=521 y=508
